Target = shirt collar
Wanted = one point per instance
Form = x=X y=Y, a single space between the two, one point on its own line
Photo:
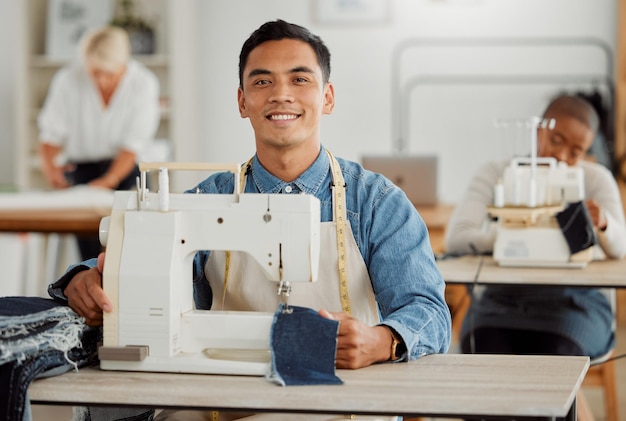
x=309 y=181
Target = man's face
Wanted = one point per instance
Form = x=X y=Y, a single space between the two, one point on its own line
x=284 y=94
x=568 y=142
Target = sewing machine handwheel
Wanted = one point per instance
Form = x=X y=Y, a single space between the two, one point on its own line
x=103 y=231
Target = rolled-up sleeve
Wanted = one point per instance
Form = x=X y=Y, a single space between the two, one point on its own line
x=408 y=285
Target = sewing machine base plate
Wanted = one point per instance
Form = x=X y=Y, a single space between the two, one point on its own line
x=196 y=363
x=542 y=264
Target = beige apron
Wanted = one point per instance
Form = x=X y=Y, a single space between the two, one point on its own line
x=247 y=288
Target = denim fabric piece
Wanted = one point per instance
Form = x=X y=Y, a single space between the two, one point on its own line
x=303 y=346
x=577 y=227
x=38 y=337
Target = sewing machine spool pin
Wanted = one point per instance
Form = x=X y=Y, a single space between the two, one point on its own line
x=164 y=190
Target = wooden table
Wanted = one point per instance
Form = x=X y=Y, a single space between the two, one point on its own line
x=76 y=210
x=449 y=385
x=62 y=221
x=484 y=270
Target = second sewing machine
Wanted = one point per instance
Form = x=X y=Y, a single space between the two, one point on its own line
x=542 y=220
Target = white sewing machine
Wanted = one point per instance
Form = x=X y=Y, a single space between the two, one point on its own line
x=526 y=201
x=151 y=239
x=531 y=193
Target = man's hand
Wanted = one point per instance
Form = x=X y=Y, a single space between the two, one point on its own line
x=597 y=216
x=85 y=294
x=359 y=345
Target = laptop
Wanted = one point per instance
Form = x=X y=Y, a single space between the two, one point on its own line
x=415 y=175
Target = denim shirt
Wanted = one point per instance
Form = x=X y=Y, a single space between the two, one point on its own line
x=390 y=234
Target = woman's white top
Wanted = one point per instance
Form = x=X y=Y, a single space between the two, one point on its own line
x=75 y=118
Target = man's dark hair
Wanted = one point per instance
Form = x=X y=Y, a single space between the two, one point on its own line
x=575 y=107
x=277 y=30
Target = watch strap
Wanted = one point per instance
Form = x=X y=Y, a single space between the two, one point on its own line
x=397 y=346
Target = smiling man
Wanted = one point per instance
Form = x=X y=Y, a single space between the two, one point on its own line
x=395 y=308
x=284 y=93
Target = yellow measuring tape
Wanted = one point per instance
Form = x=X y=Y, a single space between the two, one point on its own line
x=339 y=215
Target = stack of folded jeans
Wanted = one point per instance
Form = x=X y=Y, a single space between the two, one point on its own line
x=38 y=337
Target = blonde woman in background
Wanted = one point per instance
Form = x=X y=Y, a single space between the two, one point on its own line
x=99 y=113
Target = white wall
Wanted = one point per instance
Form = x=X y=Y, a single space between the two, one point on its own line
x=8 y=129
x=453 y=121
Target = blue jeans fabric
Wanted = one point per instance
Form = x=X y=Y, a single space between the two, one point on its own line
x=577 y=227
x=303 y=346
x=38 y=337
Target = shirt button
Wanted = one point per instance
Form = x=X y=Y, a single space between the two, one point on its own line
x=288 y=189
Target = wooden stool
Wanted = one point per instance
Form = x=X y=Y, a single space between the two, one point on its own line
x=602 y=374
x=458 y=301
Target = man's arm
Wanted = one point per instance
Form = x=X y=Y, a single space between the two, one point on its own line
x=407 y=284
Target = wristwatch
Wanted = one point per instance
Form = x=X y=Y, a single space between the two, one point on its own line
x=397 y=346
